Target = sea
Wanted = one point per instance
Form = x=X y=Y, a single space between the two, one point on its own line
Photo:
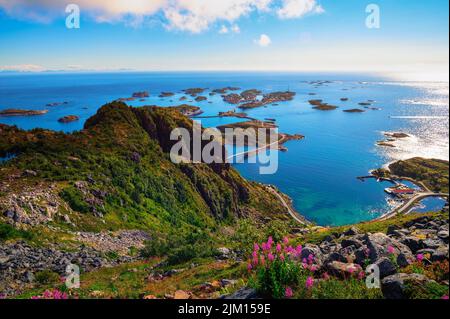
x=319 y=173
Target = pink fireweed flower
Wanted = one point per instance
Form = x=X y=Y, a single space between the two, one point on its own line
x=264 y=246
x=445 y=297
x=299 y=249
x=262 y=260
x=289 y=293
x=310 y=259
x=270 y=240
x=351 y=270
x=255 y=255
x=304 y=265
x=290 y=250
x=249 y=267
x=271 y=257
x=391 y=250
x=325 y=276
x=420 y=257
x=313 y=268
x=286 y=240
x=255 y=261
x=256 y=247
x=278 y=248
x=361 y=275
x=282 y=258
x=309 y=282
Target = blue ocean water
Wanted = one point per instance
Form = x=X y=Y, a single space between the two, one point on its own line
x=318 y=173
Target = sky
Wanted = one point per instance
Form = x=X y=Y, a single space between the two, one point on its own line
x=411 y=43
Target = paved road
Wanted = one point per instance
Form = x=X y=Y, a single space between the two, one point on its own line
x=405 y=207
x=288 y=207
x=256 y=151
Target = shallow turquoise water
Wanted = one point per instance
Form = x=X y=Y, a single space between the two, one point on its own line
x=318 y=173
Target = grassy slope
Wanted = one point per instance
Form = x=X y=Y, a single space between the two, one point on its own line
x=151 y=193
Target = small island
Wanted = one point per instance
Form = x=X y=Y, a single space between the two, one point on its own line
x=321 y=106
x=225 y=90
x=19 y=112
x=68 y=119
x=200 y=98
x=252 y=133
x=194 y=91
x=396 y=135
x=166 y=94
x=187 y=110
x=353 y=111
x=143 y=94
x=56 y=104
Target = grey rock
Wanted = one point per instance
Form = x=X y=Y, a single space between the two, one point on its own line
x=244 y=293
x=352 y=232
x=335 y=257
x=9 y=214
x=351 y=242
x=394 y=286
x=443 y=234
x=343 y=270
x=378 y=245
x=413 y=243
x=313 y=250
x=432 y=243
x=386 y=266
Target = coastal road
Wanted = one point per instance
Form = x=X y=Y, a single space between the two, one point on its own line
x=288 y=206
x=282 y=140
x=405 y=207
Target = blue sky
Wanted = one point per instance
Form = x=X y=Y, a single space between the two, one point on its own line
x=294 y=35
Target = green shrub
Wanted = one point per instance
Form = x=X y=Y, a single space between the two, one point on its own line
x=47 y=277
x=75 y=199
x=8 y=232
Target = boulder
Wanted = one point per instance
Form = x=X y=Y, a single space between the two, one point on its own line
x=335 y=257
x=244 y=293
x=343 y=270
x=181 y=294
x=314 y=250
x=352 y=232
x=351 y=242
x=432 y=243
x=386 y=266
x=440 y=254
x=443 y=234
x=378 y=247
x=413 y=243
x=395 y=286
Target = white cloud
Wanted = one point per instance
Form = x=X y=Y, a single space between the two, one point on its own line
x=263 y=41
x=232 y=29
x=194 y=16
x=235 y=28
x=223 y=30
x=298 y=8
x=197 y=15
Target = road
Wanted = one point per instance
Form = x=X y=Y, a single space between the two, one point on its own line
x=405 y=207
x=282 y=140
x=288 y=206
